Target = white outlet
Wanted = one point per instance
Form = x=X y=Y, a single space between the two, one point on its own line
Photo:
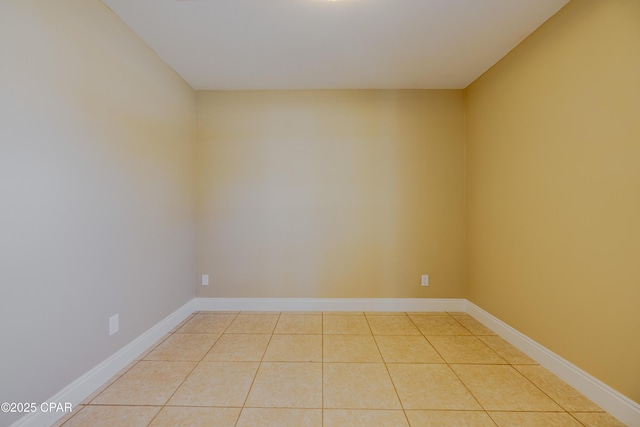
x=113 y=324
x=425 y=280
x=205 y=280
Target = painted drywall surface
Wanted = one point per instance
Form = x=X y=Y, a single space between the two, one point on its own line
x=553 y=184
x=346 y=193
x=96 y=192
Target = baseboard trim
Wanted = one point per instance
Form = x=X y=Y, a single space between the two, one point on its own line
x=618 y=405
x=88 y=383
x=330 y=304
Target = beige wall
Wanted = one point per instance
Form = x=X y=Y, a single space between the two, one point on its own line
x=330 y=193
x=313 y=193
x=96 y=192
x=553 y=173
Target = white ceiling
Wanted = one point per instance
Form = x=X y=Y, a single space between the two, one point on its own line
x=313 y=44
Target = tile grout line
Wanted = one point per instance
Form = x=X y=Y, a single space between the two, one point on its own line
x=482 y=342
x=133 y=363
x=450 y=369
x=194 y=367
x=565 y=410
x=175 y=332
x=115 y=378
x=404 y=411
x=463 y=383
x=507 y=364
x=257 y=370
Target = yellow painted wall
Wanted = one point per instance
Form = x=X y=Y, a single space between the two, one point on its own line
x=330 y=193
x=553 y=185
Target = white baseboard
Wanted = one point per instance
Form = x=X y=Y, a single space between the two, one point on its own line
x=608 y=399
x=618 y=405
x=88 y=383
x=330 y=304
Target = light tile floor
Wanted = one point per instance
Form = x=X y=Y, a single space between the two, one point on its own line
x=228 y=369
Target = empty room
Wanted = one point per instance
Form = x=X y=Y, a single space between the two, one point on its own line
x=398 y=213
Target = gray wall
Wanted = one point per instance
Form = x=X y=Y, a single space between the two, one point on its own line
x=96 y=192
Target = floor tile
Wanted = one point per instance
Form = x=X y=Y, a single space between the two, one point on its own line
x=280 y=417
x=287 y=385
x=228 y=312
x=253 y=324
x=350 y=348
x=110 y=381
x=183 y=416
x=465 y=349
x=75 y=410
x=207 y=324
x=343 y=313
x=303 y=312
x=299 y=324
x=502 y=388
x=392 y=325
x=238 y=348
x=534 y=419
x=109 y=416
x=216 y=384
x=413 y=314
x=475 y=327
x=147 y=383
x=364 y=418
x=294 y=348
x=419 y=418
x=439 y=325
x=181 y=324
x=597 y=419
x=506 y=351
x=153 y=347
x=188 y=347
x=385 y=313
x=430 y=387
x=348 y=369
x=564 y=395
x=407 y=349
x=262 y=312
x=358 y=386
x=345 y=324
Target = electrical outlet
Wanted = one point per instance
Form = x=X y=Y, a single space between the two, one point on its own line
x=113 y=324
x=205 y=280
x=425 y=280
